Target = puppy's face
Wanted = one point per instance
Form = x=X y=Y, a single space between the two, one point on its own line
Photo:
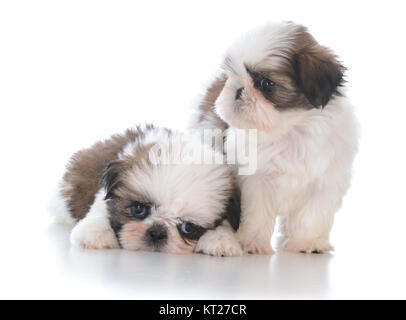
x=274 y=75
x=164 y=207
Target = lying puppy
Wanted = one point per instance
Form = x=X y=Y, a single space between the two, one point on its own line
x=134 y=191
x=278 y=80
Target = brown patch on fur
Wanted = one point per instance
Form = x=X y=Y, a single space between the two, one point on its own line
x=84 y=172
x=286 y=95
x=310 y=76
x=119 y=205
x=114 y=174
x=206 y=106
x=318 y=73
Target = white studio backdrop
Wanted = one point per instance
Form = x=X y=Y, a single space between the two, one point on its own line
x=73 y=72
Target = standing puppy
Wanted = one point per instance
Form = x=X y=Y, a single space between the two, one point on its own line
x=279 y=80
x=142 y=191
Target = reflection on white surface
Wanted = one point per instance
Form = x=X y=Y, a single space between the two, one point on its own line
x=43 y=264
x=160 y=275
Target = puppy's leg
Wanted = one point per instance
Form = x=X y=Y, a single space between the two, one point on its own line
x=257 y=218
x=308 y=229
x=254 y=238
x=94 y=231
x=219 y=242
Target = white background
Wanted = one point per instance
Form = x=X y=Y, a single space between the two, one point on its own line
x=73 y=72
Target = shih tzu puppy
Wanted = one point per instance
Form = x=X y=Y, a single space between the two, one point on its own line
x=134 y=191
x=280 y=81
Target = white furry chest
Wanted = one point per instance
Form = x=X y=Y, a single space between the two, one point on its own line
x=283 y=159
x=284 y=173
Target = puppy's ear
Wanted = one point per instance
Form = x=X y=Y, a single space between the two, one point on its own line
x=206 y=109
x=318 y=74
x=111 y=177
x=233 y=209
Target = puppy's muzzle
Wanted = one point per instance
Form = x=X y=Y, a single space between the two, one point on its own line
x=157 y=235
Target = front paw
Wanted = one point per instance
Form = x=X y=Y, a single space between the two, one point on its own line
x=264 y=248
x=255 y=245
x=308 y=245
x=93 y=234
x=215 y=243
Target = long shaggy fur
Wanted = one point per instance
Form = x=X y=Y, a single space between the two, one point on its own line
x=103 y=184
x=307 y=134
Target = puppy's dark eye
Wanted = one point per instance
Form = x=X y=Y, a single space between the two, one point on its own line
x=267 y=85
x=188 y=228
x=191 y=231
x=140 y=210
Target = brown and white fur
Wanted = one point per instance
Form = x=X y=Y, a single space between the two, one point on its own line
x=279 y=80
x=118 y=197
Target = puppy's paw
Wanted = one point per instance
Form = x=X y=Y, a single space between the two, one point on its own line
x=94 y=234
x=254 y=245
x=308 y=246
x=217 y=243
x=264 y=248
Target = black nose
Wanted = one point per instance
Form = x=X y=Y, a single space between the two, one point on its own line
x=238 y=93
x=157 y=235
